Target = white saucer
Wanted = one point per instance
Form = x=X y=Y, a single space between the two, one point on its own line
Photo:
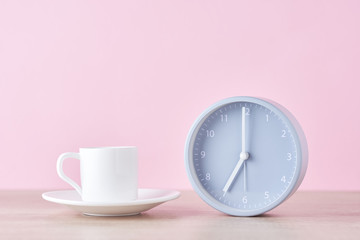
x=147 y=199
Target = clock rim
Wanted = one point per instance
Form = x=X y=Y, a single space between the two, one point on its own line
x=300 y=142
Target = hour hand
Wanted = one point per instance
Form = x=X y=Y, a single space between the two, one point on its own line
x=243 y=156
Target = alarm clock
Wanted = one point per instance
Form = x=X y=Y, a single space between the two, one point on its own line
x=245 y=156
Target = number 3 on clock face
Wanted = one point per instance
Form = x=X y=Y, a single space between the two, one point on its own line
x=244 y=155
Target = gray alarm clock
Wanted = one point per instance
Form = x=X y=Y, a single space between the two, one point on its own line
x=244 y=156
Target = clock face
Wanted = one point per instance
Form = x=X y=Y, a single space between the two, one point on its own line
x=243 y=157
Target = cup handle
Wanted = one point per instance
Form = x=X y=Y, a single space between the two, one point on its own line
x=61 y=173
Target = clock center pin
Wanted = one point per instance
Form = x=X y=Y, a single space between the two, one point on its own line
x=244 y=155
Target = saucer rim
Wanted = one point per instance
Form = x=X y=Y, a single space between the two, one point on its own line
x=167 y=195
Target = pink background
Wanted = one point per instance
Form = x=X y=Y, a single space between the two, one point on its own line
x=97 y=73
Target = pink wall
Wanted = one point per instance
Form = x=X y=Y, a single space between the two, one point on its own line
x=97 y=73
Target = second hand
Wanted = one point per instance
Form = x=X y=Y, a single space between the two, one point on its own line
x=245 y=177
x=243 y=137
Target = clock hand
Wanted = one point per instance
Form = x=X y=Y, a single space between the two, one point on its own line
x=244 y=177
x=243 y=155
x=243 y=138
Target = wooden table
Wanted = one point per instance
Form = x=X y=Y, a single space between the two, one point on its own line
x=306 y=215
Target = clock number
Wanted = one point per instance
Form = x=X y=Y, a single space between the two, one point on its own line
x=283 y=133
x=202 y=153
x=207 y=176
x=224 y=118
x=244 y=199
x=210 y=133
x=267 y=117
x=267 y=195
x=283 y=179
x=289 y=156
x=247 y=111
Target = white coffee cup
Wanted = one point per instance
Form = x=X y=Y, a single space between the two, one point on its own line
x=108 y=174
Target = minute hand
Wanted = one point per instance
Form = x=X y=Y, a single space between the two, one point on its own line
x=243 y=135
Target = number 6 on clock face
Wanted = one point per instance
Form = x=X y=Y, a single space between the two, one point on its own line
x=244 y=155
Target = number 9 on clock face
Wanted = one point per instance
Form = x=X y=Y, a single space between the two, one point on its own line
x=244 y=155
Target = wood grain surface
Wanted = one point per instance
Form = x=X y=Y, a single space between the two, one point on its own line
x=306 y=215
